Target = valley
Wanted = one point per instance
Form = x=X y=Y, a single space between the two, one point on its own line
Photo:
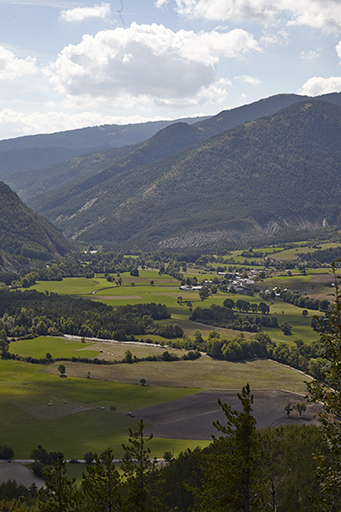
x=158 y=269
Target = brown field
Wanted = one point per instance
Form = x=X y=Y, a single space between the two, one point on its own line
x=18 y=472
x=192 y=417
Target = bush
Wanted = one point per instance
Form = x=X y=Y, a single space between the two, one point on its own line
x=6 y=452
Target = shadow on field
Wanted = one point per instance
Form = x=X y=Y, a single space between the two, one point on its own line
x=192 y=417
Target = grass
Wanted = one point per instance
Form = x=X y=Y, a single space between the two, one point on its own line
x=204 y=373
x=57 y=347
x=62 y=414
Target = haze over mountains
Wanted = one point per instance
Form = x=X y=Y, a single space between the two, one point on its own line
x=243 y=175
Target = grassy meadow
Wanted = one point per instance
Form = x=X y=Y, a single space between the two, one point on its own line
x=165 y=290
x=37 y=406
x=61 y=414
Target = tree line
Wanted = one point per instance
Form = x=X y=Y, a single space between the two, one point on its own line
x=33 y=313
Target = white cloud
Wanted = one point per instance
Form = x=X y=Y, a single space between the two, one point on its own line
x=317 y=85
x=82 y=13
x=310 y=55
x=323 y=14
x=338 y=49
x=11 y=67
x=248 y=80
x=282 y=37
x=149 y=63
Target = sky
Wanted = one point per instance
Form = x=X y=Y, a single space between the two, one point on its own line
x=70 y=64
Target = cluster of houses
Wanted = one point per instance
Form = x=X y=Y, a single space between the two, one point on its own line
x=237 y=282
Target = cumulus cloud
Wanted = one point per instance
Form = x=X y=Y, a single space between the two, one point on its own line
x=248 y=80
x=317 y=85
x=11 y=67
x=324 y=14
x=149 y=63
x=82 y=13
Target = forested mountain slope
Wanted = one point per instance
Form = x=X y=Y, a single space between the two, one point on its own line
x=24 y=232
x=34 y=152
x=37 y=164
x=277 y=173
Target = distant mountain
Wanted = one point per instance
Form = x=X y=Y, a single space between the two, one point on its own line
x=25 y=233
x=97 y=167
x=228 y=119
x=274 y=174
x=34 y=152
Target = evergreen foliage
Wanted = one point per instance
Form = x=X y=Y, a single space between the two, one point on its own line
x=24 y=232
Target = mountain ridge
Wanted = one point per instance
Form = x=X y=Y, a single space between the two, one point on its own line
x=235 y=177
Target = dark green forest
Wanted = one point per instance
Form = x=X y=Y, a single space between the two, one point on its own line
x=23 y=232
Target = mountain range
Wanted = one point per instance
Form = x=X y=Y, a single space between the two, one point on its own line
x=243 y=175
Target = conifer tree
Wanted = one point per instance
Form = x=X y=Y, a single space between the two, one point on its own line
x=60 y=493
x=141 y=475
x=230 y=474
x=327 y=391
x=101 y=484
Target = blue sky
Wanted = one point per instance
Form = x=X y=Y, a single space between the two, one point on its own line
x=66 y=65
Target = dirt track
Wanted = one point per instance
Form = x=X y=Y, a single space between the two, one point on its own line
x=192 y=417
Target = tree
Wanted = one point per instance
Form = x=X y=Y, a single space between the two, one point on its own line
x=89 y=457
x=59 y=494
x=288 y=409
x=6 y=452
x=300 y=407
x=204 y=293
x=263 y=308
x=286 y=328
x=229 y=303
x=4 y=345
x=102 y=484
x=143 y=382
x=128 y=357
x=230 y=480
x=167 y=456
x=137 y=470
x=62 y=370
x=327 y=391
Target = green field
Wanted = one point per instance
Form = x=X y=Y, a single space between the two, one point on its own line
x=165 y=290
x=57 y=347
x=62 y=414
x=37 y=406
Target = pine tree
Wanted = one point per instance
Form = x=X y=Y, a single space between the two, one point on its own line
x=101 y=484
x=141 y=474
x=60 y=493
x=327 y=391
x=230 y=470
